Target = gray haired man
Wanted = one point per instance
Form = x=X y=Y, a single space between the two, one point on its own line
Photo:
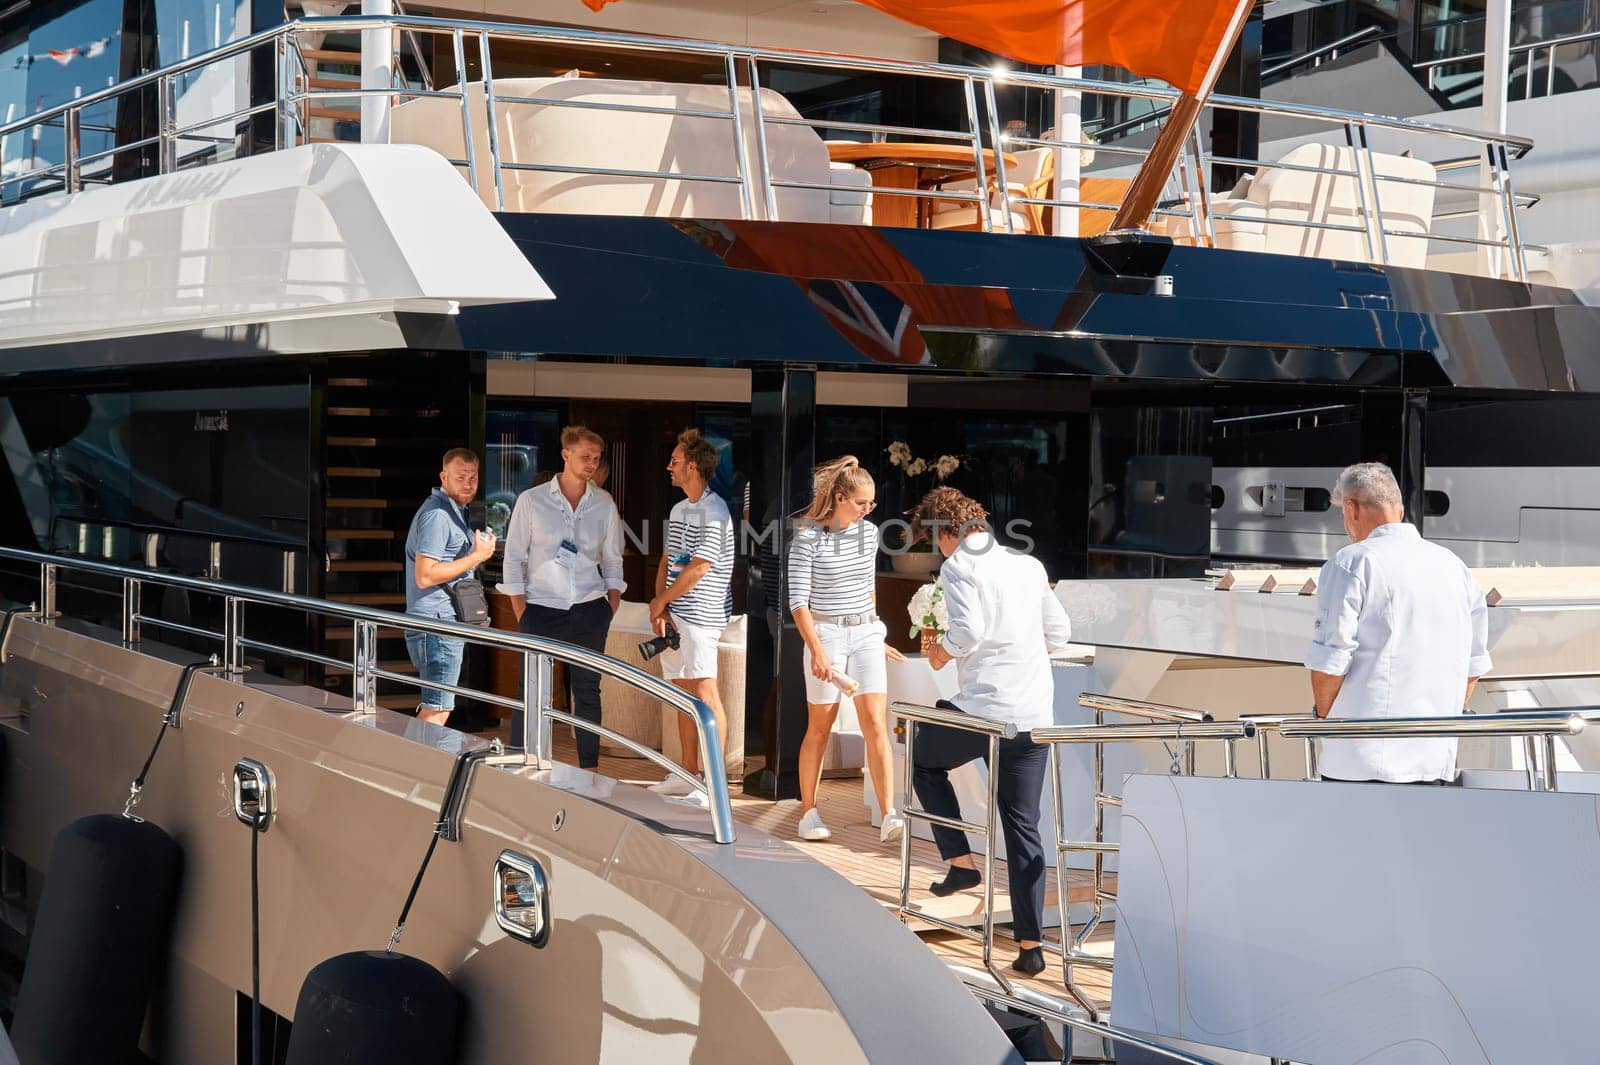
x=1401 y=631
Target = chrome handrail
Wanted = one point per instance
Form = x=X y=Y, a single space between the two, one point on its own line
x=1178 y=727
x=1033 y=1003
x=1494 y=148
x=534 y=650
x=1140 y=708
x=1317 y=53
x=994 y=732
x=1431 y=66
x=1537 y=729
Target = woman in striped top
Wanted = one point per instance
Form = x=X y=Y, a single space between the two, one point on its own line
x=832 y=594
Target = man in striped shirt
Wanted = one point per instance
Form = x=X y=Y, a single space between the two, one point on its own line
x=694 y=593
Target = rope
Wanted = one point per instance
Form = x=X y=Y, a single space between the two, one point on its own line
x=169 y=720
x=405 y=911
x=255 y=941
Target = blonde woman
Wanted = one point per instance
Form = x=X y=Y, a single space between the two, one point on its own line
x=832 y=594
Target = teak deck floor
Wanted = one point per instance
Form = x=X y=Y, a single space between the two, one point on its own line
x=856 y=854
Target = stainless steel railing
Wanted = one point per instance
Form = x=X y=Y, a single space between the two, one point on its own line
x=1529 y=50
x=1028 y=1001
x=742 y=67
x=535 y=653
x=1177 y=727
x=1181 y=728
x=1538 y=730
x=1329 y=51
x=913 y=714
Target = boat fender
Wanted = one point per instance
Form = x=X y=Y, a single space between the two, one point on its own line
x=374 y=1006
x=99 y=942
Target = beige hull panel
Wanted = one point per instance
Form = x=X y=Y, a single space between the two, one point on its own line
x=666 y=947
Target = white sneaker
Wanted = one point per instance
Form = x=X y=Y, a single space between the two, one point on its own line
x=694 y=798
x=674 y=787
x=893 y=825
x=811 y=826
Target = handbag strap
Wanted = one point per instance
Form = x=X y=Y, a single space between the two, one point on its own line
x=448 y=505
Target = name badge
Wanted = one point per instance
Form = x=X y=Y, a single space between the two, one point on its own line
x=675 y=566
x=566 y=553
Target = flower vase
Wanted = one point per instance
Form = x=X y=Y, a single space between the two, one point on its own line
x=929 y=635
x=915 y=563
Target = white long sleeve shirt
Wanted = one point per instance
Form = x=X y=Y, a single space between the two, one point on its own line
x=1004 y=624
x=1404 y=623
x=559 y=556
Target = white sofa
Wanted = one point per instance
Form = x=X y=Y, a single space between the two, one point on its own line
x=1241 y=218
x=597 y=139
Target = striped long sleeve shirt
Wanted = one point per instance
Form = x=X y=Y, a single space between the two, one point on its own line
x=833 y=572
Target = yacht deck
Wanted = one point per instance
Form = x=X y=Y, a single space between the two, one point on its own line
x=856 y=854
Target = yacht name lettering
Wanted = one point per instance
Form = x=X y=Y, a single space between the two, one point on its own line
x=211 y=423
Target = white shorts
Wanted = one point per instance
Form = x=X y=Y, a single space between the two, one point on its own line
x=855 y=650
x=696 y=656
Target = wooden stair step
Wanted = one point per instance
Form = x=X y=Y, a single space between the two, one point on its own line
x=356 y=503
x=350 y=81
x=349 y=382
x=360 y=534
x=354 y=471
x=360 y=412
x=340 y=114
x=352 y=441
x=356 y=565
x=368 y=598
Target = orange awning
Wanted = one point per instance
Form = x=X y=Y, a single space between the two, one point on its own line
x=1173 y=40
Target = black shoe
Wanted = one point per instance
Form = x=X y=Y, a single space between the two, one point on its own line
x=957 y=879
x=1030 y=961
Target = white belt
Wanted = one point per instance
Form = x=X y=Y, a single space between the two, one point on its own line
x=847 y=620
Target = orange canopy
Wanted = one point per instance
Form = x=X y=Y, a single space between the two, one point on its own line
x=1173 y=40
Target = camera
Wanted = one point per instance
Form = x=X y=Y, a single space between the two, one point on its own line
x=655 y=645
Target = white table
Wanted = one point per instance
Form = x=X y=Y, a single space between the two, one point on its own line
x=914 y=681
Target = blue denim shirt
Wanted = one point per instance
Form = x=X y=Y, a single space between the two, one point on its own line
x=439 y=531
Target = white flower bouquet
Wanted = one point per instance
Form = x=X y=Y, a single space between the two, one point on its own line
x=928 y=610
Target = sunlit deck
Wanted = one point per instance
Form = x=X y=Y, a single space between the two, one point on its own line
x=856 y=854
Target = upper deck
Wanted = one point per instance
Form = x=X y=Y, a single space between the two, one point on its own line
x=608 y=123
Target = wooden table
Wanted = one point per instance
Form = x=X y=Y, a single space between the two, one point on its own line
x=1099 y=190
x=911 y=165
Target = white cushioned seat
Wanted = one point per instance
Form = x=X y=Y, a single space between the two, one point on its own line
x=1330 y=199
x=850 y=199
x=590 y=139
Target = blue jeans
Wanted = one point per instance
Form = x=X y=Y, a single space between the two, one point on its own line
x=438 y=659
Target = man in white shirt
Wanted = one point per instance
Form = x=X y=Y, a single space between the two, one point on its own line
x=563 y=569
x=1004 y=625
x=694 y=593
x=1401 y=631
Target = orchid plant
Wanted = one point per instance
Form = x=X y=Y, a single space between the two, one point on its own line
x=901 y=458
x=912 y=468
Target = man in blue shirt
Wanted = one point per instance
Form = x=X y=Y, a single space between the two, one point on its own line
x=440 y=548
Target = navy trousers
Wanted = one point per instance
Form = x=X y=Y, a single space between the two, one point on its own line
x=585 y=625
x=937 y=750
